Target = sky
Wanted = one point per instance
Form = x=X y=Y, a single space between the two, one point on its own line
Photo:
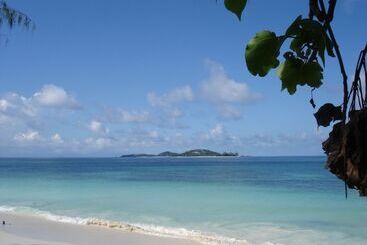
x=105 y=78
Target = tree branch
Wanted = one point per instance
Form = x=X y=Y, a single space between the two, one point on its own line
x=338 y=53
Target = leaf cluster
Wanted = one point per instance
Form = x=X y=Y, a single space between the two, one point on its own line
x=304 y=60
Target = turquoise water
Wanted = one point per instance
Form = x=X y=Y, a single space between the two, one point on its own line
x=256 y=200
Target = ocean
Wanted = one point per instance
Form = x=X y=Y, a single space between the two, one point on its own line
x=215 y=200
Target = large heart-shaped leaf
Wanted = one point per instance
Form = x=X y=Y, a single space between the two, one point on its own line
x=236 y=6
x=262 y=52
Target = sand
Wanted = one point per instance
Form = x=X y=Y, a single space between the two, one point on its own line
x=31 y=230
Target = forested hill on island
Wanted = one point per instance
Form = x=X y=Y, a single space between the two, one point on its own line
x=190 y=153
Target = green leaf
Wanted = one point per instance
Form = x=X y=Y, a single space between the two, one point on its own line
x=262 y=52
x=311 y=25
x=295 y=72
x=309 y=34
x=312 y=74
x=296 y=45
x=293 y=29
x=236 y=6
x=288 y=72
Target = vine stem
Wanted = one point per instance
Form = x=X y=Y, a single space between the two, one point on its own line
x=330 y=14
x=342 y=70
x=339 y=57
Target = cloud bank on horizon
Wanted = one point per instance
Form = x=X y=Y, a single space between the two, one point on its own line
x=44 y=123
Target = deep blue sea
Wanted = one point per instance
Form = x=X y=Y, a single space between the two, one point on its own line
x=244 y=200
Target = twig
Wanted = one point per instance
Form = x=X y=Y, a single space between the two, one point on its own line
x=329 y=29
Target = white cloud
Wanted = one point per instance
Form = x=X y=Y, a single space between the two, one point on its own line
x=153 y=134
x=174 y=112
x=142 y=138
x=56 y=138
x=178 y=95
x=13 y=104
x=24 y=119
x=153 y=140
x=168 y=102
x=28 y=136
x=32 y=111
x=4 y=105
x=133 y=116
x=98 y=143
x=284 y=143
x=126 y=116
x=97 y=127
x=54 y=96
x=229 y=112
x=216 y=131
x=217 y=134
x=261 y=141
x=219 y=88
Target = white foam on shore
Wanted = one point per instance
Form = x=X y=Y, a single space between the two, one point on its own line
x=43 y=214
x=161 y=231
x=204 y=238
x=6 y=209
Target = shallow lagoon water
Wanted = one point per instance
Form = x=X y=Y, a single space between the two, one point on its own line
x=274 y=200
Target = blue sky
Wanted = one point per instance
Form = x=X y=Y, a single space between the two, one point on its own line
x=106 y=78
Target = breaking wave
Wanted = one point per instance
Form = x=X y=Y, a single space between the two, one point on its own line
x=147 y=229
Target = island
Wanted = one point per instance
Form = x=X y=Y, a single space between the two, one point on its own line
x=190 y=153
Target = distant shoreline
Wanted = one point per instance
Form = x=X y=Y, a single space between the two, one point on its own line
x=118 y=156
x=157 y=156
x=189 y=153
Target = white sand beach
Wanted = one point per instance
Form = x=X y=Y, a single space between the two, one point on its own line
x=30 y=230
